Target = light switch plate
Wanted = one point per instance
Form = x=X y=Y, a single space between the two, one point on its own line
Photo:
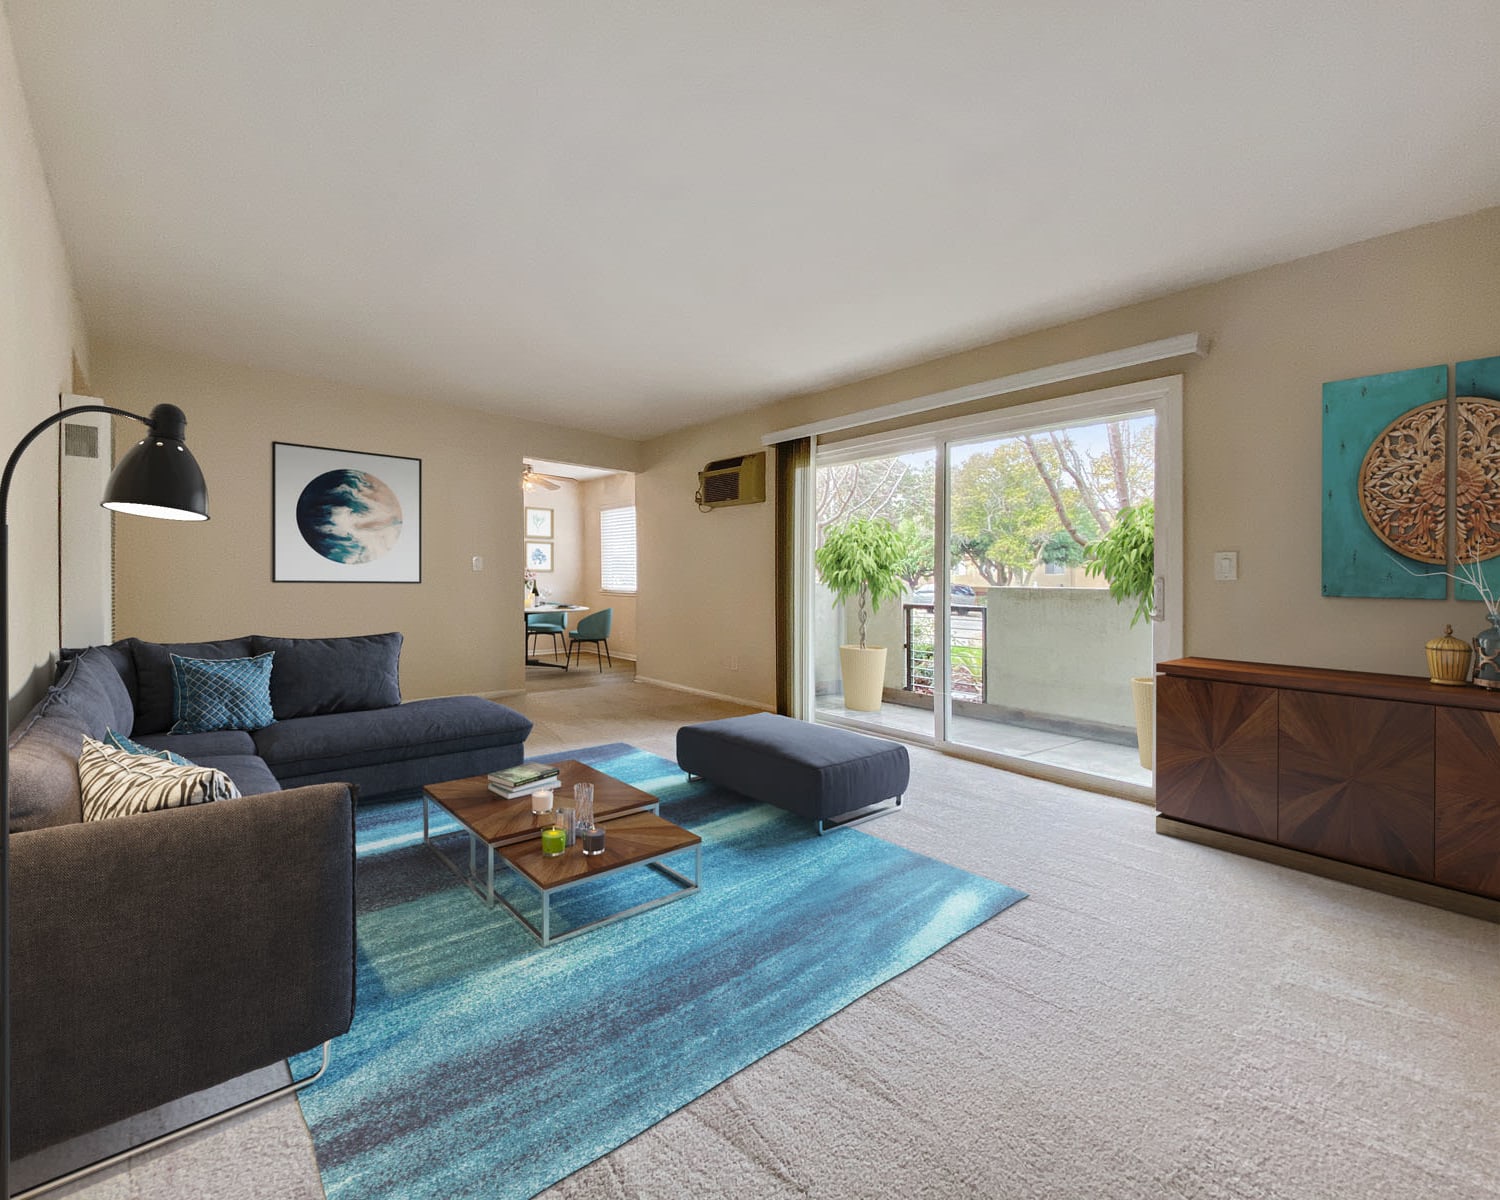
x=478 y=562
x=1226 y=564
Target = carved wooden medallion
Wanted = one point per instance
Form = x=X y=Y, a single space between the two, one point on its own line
x=1403 y=484
x=1477 y=478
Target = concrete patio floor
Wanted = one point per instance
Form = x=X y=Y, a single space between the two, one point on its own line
x=1109 y=760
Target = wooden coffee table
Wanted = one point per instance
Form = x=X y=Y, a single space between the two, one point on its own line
x=492 y=821
x=641 y=839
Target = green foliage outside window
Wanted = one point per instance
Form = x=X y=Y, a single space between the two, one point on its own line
x=1126 y=557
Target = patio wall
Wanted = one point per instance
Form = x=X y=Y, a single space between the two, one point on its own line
x=1064 y=651
x=1059 y=652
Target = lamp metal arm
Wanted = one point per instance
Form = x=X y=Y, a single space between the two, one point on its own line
x=40 y=428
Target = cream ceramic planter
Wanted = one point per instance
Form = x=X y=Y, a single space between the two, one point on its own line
x=864 y=677
x=1143 y=692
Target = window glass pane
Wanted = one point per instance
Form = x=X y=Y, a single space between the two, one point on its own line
x=617 y=549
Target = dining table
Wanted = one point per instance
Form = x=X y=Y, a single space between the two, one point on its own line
x=547 y=608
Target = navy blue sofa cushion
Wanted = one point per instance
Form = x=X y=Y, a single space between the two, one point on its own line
x=420 y=729
x=815 y=771
x=153 y=675
x=89 y=697
x=90 y=687
x=249 y=772
x=198 y=746
x=312 y=676
x=412 y=774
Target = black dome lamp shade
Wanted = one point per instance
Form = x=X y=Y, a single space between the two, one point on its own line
x=158 y=476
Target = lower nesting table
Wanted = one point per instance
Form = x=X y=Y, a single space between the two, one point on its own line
x=507 y=829
x=639 y=840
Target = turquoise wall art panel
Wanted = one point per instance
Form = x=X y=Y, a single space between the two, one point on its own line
x=1476 y=391
x=1385 y=485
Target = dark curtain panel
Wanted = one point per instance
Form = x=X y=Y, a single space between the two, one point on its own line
x=792 y=459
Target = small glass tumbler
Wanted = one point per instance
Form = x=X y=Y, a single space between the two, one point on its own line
x=583 y=804
x=563 y=818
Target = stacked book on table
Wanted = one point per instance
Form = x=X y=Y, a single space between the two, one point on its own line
x=514 y=782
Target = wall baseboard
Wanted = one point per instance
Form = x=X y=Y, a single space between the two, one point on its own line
x=682 y=687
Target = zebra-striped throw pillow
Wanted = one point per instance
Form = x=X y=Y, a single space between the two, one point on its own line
x=117 y=784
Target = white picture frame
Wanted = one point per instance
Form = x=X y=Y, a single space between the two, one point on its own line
x=343 y=516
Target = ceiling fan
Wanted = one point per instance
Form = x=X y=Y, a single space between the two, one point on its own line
x=532 y=480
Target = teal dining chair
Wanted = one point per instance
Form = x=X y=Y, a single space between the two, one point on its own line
x=547 y=624
x=593 y=628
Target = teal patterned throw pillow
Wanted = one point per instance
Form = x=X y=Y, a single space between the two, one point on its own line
x=120 y=742
x=221 y=693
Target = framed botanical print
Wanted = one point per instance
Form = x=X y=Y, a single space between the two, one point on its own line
x=539 y=522
x=539 y=556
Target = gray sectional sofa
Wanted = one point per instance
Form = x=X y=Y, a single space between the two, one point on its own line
x=158 y=954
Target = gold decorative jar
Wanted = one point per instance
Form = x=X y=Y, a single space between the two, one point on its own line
x=1448 y=658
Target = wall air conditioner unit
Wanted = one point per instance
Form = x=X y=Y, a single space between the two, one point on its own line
x=726 y=481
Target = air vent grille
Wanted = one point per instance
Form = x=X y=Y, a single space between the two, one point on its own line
x=80 y=441
x=721 y=488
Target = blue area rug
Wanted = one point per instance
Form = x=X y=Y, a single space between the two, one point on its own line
x=480 y=1064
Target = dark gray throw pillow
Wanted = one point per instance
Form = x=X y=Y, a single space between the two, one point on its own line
x=155 y=685
x=331 y=675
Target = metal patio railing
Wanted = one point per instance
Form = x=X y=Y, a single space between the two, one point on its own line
x=970 y=658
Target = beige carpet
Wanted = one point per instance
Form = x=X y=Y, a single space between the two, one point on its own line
x=1158 y=1020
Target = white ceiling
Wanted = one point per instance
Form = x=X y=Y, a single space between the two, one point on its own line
x=634 y=216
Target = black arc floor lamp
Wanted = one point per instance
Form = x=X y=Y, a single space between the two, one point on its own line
x=157 y=477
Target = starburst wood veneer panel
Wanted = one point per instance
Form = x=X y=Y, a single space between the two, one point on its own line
x=1356 y=781
x=1468 y=800
x=1216 y=755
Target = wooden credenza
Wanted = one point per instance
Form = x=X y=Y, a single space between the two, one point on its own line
x=1386 y=774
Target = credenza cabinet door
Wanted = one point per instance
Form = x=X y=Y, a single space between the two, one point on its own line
x=1216 y=755
x=1468 y=800
x=1356 y=780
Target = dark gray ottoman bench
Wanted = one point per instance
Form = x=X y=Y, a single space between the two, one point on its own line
x=827 y=775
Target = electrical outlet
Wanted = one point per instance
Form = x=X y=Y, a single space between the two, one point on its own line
x=1226 y=565
x=478 y=562
x=733 y=662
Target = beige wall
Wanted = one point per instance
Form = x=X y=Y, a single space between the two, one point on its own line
x=1252 y=445
x=707 y=615
x=40 y=332
x=611 y=491
x=463 y=629
x=565 y=578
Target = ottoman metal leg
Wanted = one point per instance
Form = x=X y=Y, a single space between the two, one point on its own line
x=860 y=817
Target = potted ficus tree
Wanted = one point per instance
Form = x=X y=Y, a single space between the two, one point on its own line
x=1126 y=557
x=861 y=559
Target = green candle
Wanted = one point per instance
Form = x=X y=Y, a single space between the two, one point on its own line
x=554 y=841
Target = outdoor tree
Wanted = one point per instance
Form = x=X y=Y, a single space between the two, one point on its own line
x=1002 y=513
x=1016 y=503
x=916 y=562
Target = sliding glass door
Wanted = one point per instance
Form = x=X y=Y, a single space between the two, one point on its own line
x=1040 y=655
x=1005 y=643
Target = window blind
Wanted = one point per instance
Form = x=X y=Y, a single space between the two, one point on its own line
x=617 y=549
